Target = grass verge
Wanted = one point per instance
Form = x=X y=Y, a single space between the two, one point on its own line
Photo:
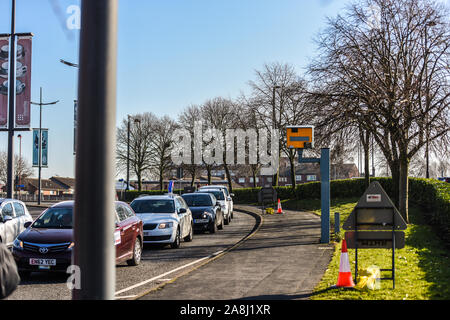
x=422 y=267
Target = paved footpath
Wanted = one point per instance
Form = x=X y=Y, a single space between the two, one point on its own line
x=283 y=260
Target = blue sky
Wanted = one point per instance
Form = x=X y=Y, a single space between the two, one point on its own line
x=172 y=53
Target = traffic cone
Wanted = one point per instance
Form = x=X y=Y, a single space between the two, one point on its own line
x=345 y=279
x=280 y=211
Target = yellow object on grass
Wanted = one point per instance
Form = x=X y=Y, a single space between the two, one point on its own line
x=270 y=211
x=369 y=278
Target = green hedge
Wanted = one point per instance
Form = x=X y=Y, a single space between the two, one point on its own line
x=431 y=195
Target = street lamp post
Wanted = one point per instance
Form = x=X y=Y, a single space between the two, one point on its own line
x=40 y=104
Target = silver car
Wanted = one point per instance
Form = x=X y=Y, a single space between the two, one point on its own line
x=13 y=217
x=227 y=193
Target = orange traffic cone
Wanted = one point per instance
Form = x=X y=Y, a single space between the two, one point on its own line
x=345 y=275
x=280 y=211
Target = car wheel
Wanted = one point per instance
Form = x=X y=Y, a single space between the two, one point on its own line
x=232 y=214
x=190 y=235
x=227 y=220
x=176 y=243
x=220 y=226
x=137 y=254
x=213 y=227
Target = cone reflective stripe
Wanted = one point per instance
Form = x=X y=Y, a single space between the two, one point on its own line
x=280 y=211
x=345 y=278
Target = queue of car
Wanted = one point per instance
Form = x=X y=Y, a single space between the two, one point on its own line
x=46 y=244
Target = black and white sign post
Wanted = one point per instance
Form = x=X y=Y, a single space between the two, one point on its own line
x=375 y=223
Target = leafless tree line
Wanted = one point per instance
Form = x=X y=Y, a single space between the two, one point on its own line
x=379 y=81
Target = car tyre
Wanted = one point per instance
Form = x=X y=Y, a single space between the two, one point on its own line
x=213 y=227
x=176 y=243
x=190 y=236
x=137 y=254
x=228 y=219
x=220 y=226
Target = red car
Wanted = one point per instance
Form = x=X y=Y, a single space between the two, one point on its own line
x=47 y=243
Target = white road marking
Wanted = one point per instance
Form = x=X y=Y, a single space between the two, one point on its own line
x=140 y=284
x=125 y=297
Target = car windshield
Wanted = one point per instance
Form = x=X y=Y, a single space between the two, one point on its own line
x=218 y=188
x=153 y=206
x=200 y=200
x=55 y=218
x=217 y=193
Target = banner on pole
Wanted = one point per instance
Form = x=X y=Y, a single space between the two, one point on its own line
x=4 y=67
x=44 y=146
x=23 y=87
x=36 y=140
x=75 y=107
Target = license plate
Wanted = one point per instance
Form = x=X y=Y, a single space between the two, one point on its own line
x=201 y=221
x=43 y=262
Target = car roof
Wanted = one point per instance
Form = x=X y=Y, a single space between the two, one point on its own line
x=5 y=199
x=157 y=197
x=71 y=204
x=214 y=187
x=197 y=193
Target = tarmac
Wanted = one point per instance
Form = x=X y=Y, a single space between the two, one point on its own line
x=281 y=260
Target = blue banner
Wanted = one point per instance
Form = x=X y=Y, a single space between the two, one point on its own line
x=44 y=148
x=171 y=183
x=36 y=148
x=36 y=142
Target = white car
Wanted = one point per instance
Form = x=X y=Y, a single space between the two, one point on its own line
x=167 y=219
x=13 y=217
x=222 y=199
x=227 y=193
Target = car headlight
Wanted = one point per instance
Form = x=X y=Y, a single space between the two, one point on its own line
x=18 y=244
x=165 y=225
x=71 y=246
x=206 y=215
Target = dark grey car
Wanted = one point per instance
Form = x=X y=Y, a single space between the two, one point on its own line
x=13 y=217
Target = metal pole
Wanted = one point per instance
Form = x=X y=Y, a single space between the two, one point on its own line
x=325 y=194
x=128 y=155
x=95 y=167
x=40 y=150
x=12 y=100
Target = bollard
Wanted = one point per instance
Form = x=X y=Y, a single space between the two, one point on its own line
x=337 y=222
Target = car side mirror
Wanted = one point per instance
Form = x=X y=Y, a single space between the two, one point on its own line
x=231 y=195
x=229 y=199
x=218 y=203
x=28 y=224
x=182 y=210
x=7 y=218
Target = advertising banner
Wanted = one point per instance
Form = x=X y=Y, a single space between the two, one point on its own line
x=36 y=148
x=75 y=107
x=4 y=54
x=44 y=148
x=44 y=162
x=23 y=80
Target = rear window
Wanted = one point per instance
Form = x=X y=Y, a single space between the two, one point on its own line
x=153 y=206
x=217 y=193
x=201 y=200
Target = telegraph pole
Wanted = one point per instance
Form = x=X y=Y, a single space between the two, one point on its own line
x=95 y=165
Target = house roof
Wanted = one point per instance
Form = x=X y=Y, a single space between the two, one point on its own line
x=45 y=184
x=68 y=183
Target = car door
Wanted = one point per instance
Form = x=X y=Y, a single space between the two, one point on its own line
x=20 y=216
x=131 y=228
x=181 y=216
x=188 y=216
x=10 y=227
x=125 y=227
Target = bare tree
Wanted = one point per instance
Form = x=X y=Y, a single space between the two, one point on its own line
x=391 y=78
x=22 y=168
x=141 y=145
